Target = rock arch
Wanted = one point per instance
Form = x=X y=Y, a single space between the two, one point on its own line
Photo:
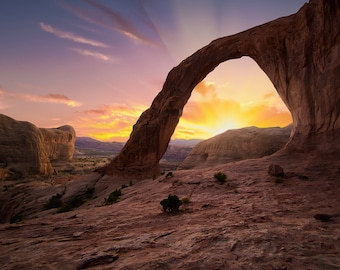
x=301 y=56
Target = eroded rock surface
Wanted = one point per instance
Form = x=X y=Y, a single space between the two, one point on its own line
x=250 y=222
x=301 y=56
x=59 y=142
x=237 y=144
x=26 y=149
x=22 y=147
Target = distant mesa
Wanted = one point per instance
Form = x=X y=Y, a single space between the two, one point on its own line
x=301 y=56
x=26 y=149
x=237 y=144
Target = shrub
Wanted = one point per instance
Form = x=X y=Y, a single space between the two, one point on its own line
x=90 y=191
x=16 y=218
x=171 y=204
x=66 y=207
x=278 y=180
x=53 y=202
x=114 y=197
x=185 y=200
x=169 y=175
x=220 y=177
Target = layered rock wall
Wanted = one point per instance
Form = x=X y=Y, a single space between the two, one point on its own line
x=237 y=144
x=26 y=149
x=59 y=142
x=301 y=56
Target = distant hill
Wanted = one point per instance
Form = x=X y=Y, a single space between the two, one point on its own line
x=90 y=146
x=177 y=150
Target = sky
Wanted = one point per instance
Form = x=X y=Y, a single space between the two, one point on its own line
x=98 y=64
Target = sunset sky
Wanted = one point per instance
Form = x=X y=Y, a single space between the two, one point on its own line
x=98 y=64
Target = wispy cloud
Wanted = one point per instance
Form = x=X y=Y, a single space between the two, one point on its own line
x=71 y=36
x=96 y=55
x=50 y=98
x=138 y=28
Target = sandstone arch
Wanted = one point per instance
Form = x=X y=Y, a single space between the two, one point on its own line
x=301 y=56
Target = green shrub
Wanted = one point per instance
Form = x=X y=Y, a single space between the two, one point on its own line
x=124 y=186
x=169 y=175
x=113 y=197
x=53 y=202
x=278 y=180
x=185 y=200
x=220 y=177
x=171 y=204
x=66 y=207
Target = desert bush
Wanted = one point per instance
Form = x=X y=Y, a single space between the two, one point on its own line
x=89 y=191
x=185 y=200
x=220 y=177
x=124 y=186
x=278 y=180
x=16 y=218
x=113 y=197
x=171 y=204
x=169 y=174
x=53 y=202
x=66 y=207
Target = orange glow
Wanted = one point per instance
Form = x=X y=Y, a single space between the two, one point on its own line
x=213 y=115
x=217 y=104
x=109 y=122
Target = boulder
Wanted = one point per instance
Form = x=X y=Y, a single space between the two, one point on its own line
x=275 y=170
x=237 y=144
x=301 y=56
x=26 y=149
x=59 y=142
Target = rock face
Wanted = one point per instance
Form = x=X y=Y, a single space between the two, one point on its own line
x=59 y=142
x=238 y=144
x=301 y=56
x=29 y=149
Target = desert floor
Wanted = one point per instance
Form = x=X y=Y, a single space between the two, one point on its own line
x=249 y=222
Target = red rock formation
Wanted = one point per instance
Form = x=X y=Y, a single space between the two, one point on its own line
x=59 y=142
x=28 y=149
x=301 y=56
x=236 y=144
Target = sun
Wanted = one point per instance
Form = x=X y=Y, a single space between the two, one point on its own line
x=226 y=125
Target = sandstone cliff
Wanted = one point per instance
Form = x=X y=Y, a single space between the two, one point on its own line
x=237 y=144
x=26 y=149
x=22 y=147
x=301 y=56
x=59 y=142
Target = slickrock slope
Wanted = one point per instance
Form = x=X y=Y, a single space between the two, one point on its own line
x=301 y=56
x=26 y=149
x=237 y=144
x=250 y=222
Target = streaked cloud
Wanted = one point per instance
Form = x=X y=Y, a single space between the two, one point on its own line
x=71 y=36
x=49 y=98
x=96 y=55
x=139 y=27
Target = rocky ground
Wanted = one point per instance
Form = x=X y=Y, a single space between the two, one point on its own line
x=252 y=221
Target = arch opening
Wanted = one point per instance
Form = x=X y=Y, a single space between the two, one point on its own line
x=236 y=94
